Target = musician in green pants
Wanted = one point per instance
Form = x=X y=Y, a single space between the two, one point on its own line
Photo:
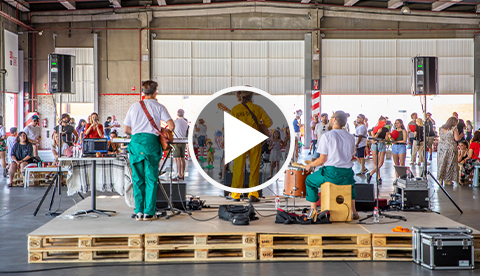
x=145 y=149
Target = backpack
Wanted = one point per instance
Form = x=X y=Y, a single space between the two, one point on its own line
x=237 y=214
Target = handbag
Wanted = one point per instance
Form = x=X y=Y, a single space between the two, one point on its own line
x=261 y=127
x=166 y=136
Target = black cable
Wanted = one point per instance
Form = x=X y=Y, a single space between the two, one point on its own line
x=263 y=215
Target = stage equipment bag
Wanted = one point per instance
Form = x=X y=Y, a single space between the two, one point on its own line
x=261 y=127
x=290 y=218
x=165 y=137
x=237 y=214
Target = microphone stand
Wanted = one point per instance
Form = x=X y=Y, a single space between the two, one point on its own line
x=380 y=213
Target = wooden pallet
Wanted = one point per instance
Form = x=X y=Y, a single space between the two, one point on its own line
x=316 y=253
x=314 y=240
x=200 y=247
x=392 y=254
x=85 y=255
x=88 y=241
x=393 y=240
x=215 y=253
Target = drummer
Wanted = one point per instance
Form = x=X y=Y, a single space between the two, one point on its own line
x=336 y=149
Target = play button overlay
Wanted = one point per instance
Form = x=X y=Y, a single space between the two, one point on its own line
x=236 y=130
x=227 y=130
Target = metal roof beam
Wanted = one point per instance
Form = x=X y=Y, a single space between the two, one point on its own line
x=70 y=5
x=441 y=5
x=116 y=3
x=393 y=4
x=162 y=2
x=25 y=7
x=350 y=3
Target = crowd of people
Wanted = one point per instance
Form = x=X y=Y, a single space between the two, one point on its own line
x=20 y=148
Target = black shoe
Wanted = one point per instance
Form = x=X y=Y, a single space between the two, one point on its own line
x=149 y=217
x=309 y=153
x=5 y=172
x=379 y=181
x=369 y=178
x=253 y=199
x=229 y=197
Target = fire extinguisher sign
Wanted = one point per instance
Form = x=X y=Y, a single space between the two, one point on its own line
x=315 y=85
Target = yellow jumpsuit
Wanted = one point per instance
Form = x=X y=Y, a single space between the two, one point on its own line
x=242 y=114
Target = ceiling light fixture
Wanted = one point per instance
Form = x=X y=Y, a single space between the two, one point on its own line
x=405 y=9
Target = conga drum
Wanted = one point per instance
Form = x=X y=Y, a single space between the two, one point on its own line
x=295 y=182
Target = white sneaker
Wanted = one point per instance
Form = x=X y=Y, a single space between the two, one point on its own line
x=139 y=216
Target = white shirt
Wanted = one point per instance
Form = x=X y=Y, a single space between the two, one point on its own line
x=361 y=130
x=137 y=119
x=320 y=129
x=2 y=131
x=339 y=146
x=202 y=130
x=33 y=132
x=11 y=140
x=116 y=124
x=181 y=127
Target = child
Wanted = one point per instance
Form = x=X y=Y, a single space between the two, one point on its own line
x=275 y=146
x=11 y=140
x=210 y=152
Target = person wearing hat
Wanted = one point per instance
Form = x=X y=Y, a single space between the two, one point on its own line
x=336 y=149
x=34 y=133
x=65 y=130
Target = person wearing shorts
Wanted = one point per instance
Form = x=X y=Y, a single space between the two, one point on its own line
x=201 y=129
x=378 y=148
x=361 y=142
x=181 y=130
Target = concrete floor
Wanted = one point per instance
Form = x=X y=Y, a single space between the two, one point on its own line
x=16 y=221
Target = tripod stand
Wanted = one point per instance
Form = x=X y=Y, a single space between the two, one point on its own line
x=380 y=213
x=56 y=182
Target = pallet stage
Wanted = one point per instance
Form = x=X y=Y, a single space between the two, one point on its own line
x=182 y=239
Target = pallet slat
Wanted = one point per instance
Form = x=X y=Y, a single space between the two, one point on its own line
x=67 y=256
x=162 y=241
x=392 y=240
x=315 y=240
x=40 y=243
x=392 y=254
x=180 y=255
x=321 y=253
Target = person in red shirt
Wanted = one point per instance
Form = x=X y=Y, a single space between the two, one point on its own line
x=473 y=157
x=93 y=129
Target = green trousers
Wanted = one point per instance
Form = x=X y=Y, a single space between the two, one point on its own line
x=337 y=176
x=145 y=155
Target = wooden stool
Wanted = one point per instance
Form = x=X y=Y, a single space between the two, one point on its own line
x=334 y=198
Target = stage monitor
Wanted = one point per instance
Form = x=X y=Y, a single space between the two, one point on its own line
x=425 y=76
x=94 y=145
x=61 y=73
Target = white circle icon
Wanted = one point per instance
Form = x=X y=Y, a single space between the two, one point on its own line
x=239 y=137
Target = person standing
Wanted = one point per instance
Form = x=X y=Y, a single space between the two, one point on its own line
x=67 y=131
x=461 y=129
x=469 y=130
x=93 y=129
x=145 y=149
x=115 y=124
x=297 y=124
x=361 y=142
x=107 y=127
x=447 y=159
x=80 y=127
x=34 y=133
x=201 y=130
x=399 y=147
x=336 y=149
x=320 y=129
x=246 y=111
x=411 y=131
x=418 y=144
x=379 y=148
x=429 y=124
x=181 y=130
x=313 y=145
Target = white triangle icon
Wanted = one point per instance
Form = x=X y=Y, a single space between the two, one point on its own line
x=239 y=137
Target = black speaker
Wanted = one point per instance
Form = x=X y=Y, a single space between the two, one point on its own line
x=61 y=73
x=178 y=200
x=425 y=76
x=365 y=200
x=227 y=181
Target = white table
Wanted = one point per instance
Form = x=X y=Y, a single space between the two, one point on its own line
x=93 y=160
